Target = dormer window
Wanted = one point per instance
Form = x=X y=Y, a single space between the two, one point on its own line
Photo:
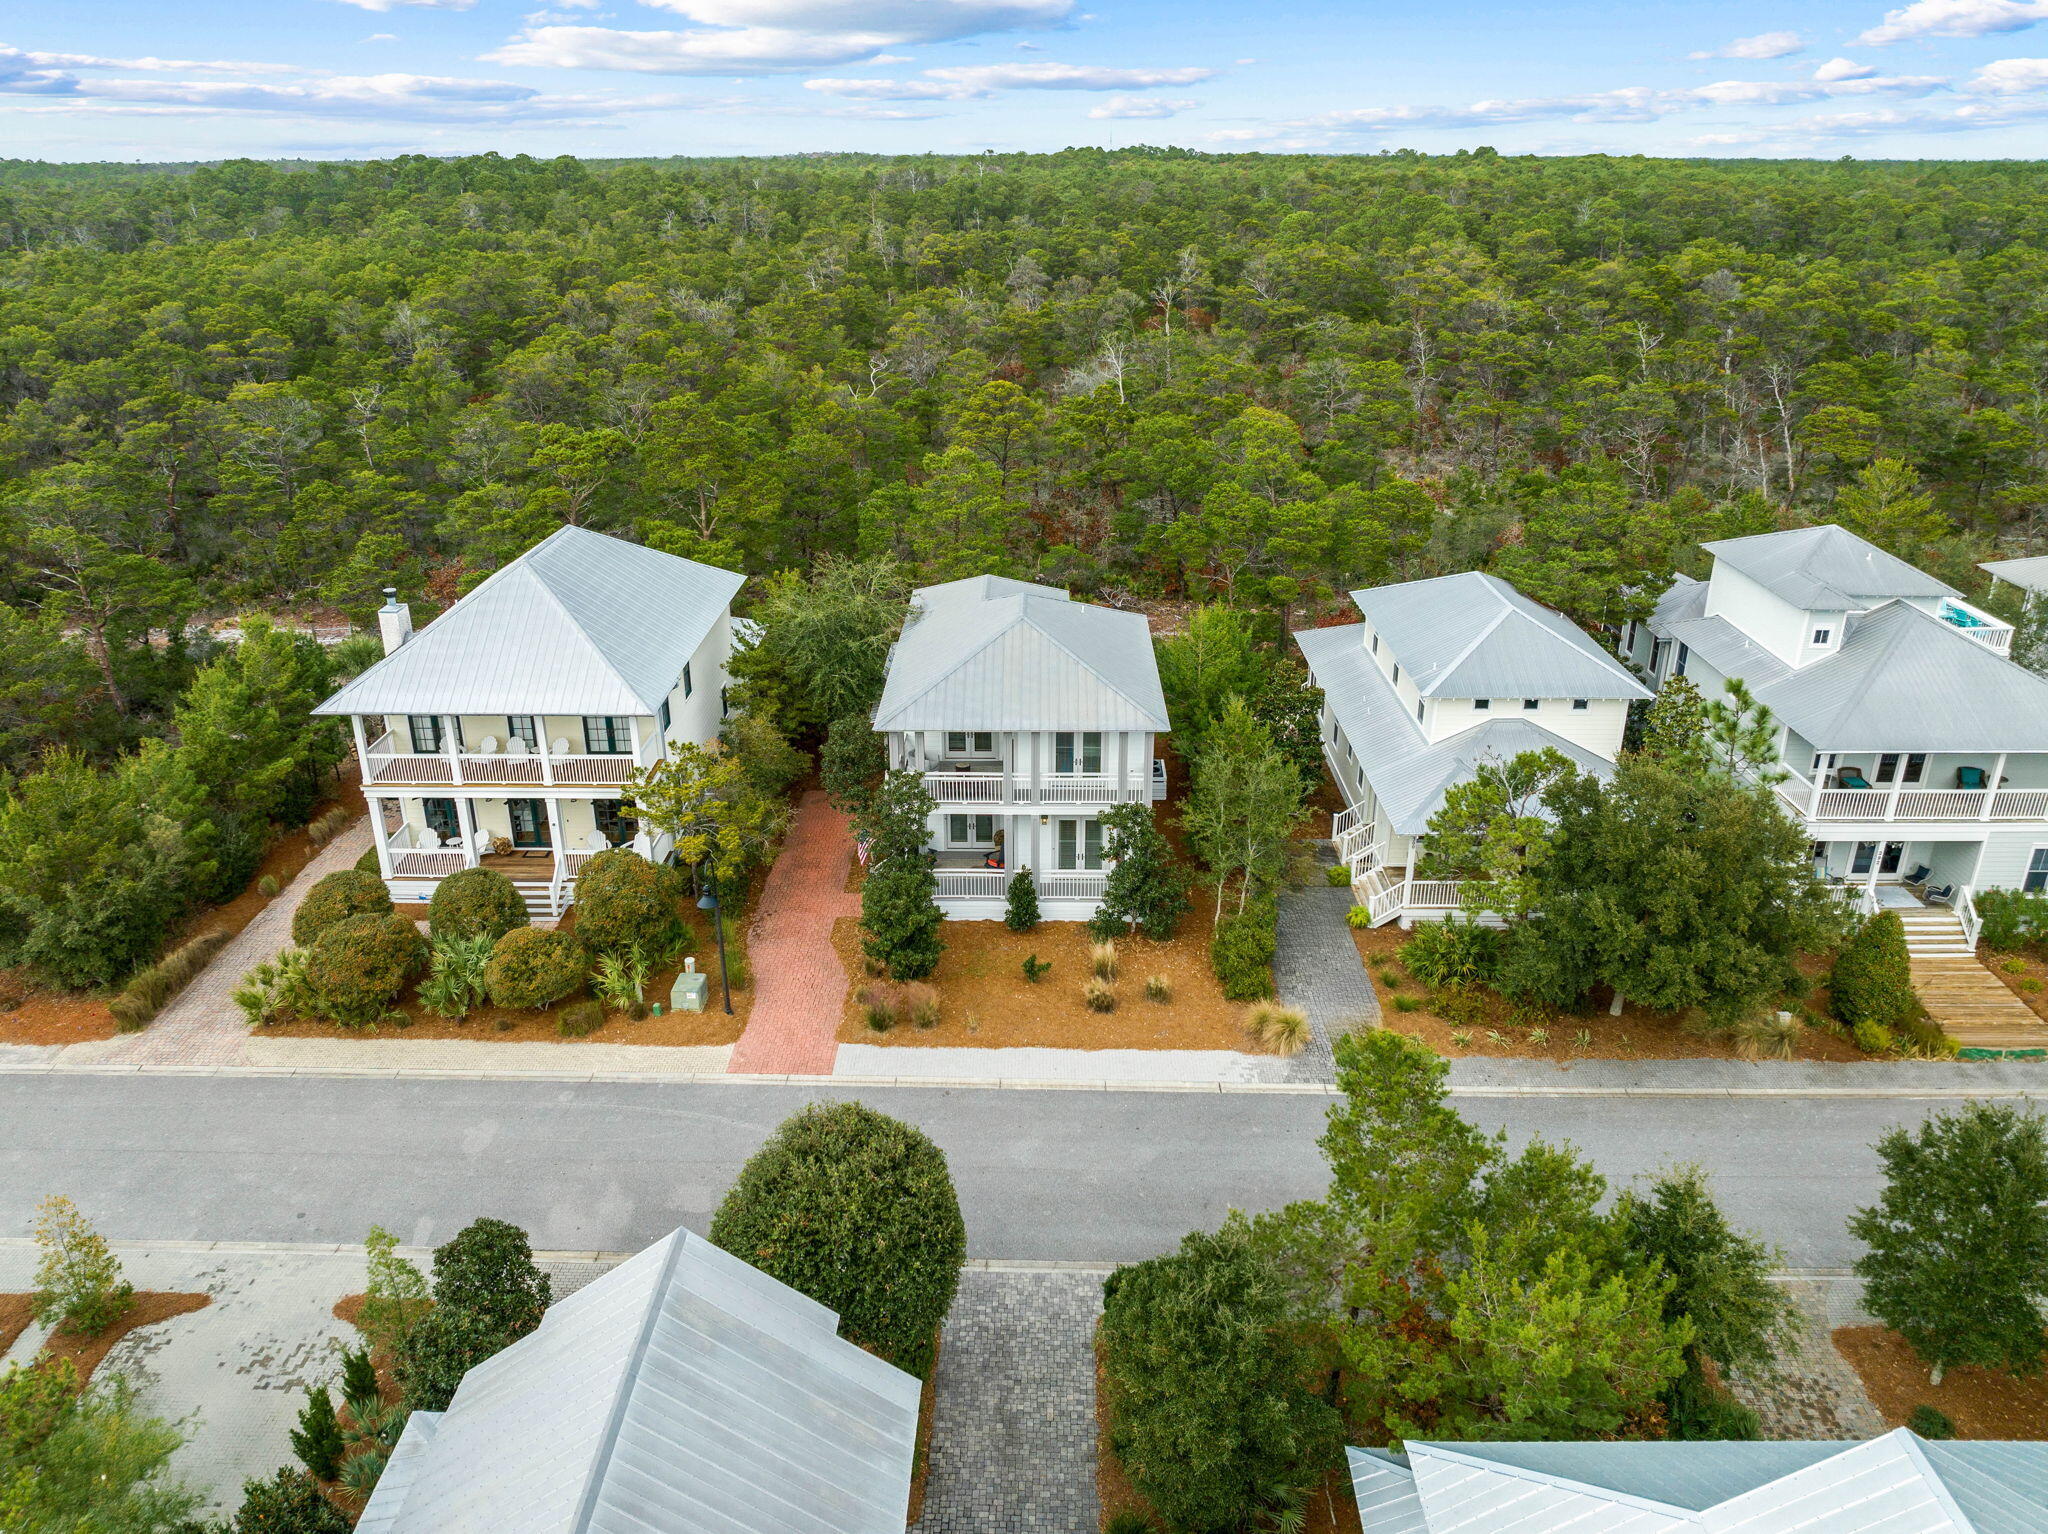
x=1482 y=703
x=1822 y=636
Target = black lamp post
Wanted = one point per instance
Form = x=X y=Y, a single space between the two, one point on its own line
x=708 y=901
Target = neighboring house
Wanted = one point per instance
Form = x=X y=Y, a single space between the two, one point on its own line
x=1898 y=1484
x=1028 y=714
x=1442 y=677
x=1913 y=752
x=2030 y=575
x=682 y=1390
x=512 y=719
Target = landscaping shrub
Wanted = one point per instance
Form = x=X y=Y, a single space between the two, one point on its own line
x=367 y=864
x=1146 y=888
x=1452 y=952
x=336 y=898
x=624 y=902
x=1873 y=1038
x=1102 y=960
x=532 y=968
x=852 y=758
x=1930 y=1422
x=1035 y=968
x=1337 y=876
x=360 y=964
x=78 y=1282
x=290 y=1502
x=1020 y=907
x=359 y=1387
x=395 y=1294
x=442 y=1347
x=856 y=1210
x=1359 y=916
x=317 y=1439
x=2012 y=920
x=1207 y=1390
x=1242 y=951
x=1099 y=995
x=487 y=1270
x=149 y=991
x=267 y=886
x=881 y=1005
x=1158 y=988
x=899 y=923
x=1278 y=1030
x=921 y=1004
x=579 y=1020
x=455 y=975
x=1873 y=977
x=477 y=902
x=274 y=989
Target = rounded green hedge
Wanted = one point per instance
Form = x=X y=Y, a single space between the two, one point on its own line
x=531 y=968
x=351 y=892
x=478 y=902
x=359 y=966
x=1872 y=983
x=623 y=902
x=858 y=1211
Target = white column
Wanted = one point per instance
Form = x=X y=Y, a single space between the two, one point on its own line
x=355 y=724
x=450 y=729
x=1123 y=763
x=547 y=760
x=379 y=837
x=555 y=846
x=1991 y=787
x=1820 y=776
x=1037 y=766
x=1891 y=805
x=633 y=735
x=465 y=817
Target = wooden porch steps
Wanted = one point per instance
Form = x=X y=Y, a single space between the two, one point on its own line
x=1934 y=932
x=1974 y=1007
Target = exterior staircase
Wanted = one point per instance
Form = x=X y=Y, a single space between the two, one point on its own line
x=539 y=896
x=1935 y=932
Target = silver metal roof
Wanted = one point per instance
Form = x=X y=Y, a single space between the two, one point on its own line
x=1475 y=636
x=1906 y=680
x=1896 y=1484
x=995 y=654
x=2029 y=573
x=1410 y=775
x=581 y=623
x=1681 y=614
x=1826 y=569
x=681 y=1393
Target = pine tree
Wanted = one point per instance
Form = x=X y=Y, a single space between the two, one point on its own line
x=317 y=1439
x=1959 y=1238
x=1020 y=910
x=359 y=1377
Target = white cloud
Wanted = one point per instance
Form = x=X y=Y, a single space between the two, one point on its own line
x=2010 y=77
x=968 y=82
x=1765 y=45
x=1955 y=18
x=1844 y=69
x=425 y=5
x=1142 y=106
x=381 y=37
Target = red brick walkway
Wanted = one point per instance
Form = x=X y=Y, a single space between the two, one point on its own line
x=799 y=983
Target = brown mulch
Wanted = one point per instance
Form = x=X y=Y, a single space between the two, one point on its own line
x=927 y=1412
x=2029 y=981
x=1638 y=1034
x=150 y=1307
x=506 y=1025
x=30 y=1015
x=14 y=1317
x=1332 y=1508
x=987 y=1002
x=1983 y=1403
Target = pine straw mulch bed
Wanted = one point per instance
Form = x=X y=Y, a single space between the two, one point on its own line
x=1332 y=1509
x=2028 y=980
x=1983 y=1403
x=1638 y=1034
x=987 y=1003
x=86 y=1353
x=14 y=1318
x=30 y=1015
x=510 y=1025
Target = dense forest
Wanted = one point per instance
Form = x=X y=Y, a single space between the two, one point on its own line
x=1149 y=374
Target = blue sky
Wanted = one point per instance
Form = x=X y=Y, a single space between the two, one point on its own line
x=125 y=79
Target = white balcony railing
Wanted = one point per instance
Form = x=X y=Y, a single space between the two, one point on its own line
x=1910 y=802
x=994 y=884
x=386 y=765
x=1062 y=788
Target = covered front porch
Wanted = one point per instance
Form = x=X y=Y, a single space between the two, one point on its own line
x=539 y=844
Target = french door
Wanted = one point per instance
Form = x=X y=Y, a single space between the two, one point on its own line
x=529 y=822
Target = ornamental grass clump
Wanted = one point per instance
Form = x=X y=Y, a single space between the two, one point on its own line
x=1102 y=960
x=1158 y=988
x=1768 y=1036
x=1276 y=1029
x=149 y=991
x=921 y=1004
x=881 y=1005
x=856 y=1210
x=1099 y=996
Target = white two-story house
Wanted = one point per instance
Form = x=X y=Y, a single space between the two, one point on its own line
x=1441 y=677
x=1028 y=714
x=1912 y=751
x=500 y=733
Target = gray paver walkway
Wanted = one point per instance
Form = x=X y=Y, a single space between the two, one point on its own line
x=203 y=1026
x=1013 y=1438
x=1316 y=968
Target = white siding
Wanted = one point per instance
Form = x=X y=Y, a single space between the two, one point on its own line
x=2006 y=853
x=1598 y=726
x=1767 y=619
x=697 y=718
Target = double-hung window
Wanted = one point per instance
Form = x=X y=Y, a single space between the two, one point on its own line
x=2037 y=870
x=688 y=685
x=427 y=734
x=1077 y=751
x=665 y=714
x=523 y=727
x=971 y=830
x=607 y=735
x=970 y=743
x=1080 y=844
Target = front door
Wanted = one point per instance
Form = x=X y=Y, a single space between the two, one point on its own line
x=1894 y=854
x=443 y=819
x=529 y=822
x=1080 y=844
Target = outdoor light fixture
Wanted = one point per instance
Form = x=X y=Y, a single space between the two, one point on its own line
x=708 y=901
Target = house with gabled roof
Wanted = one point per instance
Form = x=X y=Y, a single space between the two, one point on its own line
x=1910 y=747
x=1897 y=1484
x=1441 y=677
x=1028 y=714
x=682 y=1390
x=500 y=733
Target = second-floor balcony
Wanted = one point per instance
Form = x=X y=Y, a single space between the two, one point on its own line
x=388 y=763
x=1828 y=800
x=985 y=787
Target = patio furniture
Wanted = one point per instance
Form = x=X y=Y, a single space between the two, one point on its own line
x=1970 y=777
x=515 y=747
x=597 y=841
x=488 y=746
x=559 y=745
x=1918 y=875
x=1849 y=777
x=1941 y=894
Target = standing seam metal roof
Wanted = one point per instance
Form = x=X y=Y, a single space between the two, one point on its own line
x=1475 y=636
x=581 y=623
x=681 y=1392
x=1020 y=660
x=1826 y=569
x=2031 y=574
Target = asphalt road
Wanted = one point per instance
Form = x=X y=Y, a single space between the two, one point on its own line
x=1066 y=1175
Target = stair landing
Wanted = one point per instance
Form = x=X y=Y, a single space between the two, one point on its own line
x=1974 y=1007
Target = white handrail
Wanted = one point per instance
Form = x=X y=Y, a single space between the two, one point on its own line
x=1966 y=913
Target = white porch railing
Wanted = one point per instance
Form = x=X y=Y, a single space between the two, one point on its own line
x=994 y=884
x=385 y=764
x=966 y=787
x=1966 y=913
x=1388 y=895
x=416 y=853
x=1072 y=886
x=1911 y=803
x=1064 y=788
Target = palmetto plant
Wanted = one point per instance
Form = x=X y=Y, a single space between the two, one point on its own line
x=621 y=979
x=455 y=978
